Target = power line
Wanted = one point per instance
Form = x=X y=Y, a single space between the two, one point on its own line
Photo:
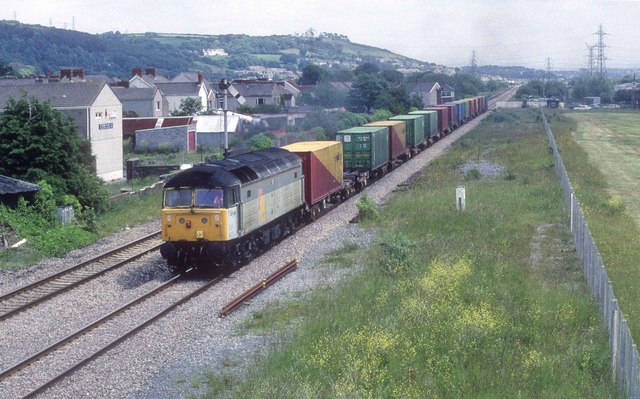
x=601 y=58
x=474 y=62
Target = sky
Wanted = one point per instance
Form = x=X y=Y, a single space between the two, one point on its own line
x=447 y=32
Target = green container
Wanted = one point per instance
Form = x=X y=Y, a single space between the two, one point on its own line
x=414 y=128
x=365 y=148
x=430 y=122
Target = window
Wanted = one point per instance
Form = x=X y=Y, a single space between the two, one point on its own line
x=248 y=193
x=177 y=198
x=259 y=101
x=209 y=197
x=98 y=114
x=157 y=105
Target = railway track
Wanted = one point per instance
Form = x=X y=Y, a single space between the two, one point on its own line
x=43 y=369
x=24 y=297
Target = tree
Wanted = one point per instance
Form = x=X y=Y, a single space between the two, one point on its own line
x=188 y=106
x=39 y=143
x=368 y=68
x=311 y=74
x=365 y=92
x=592 y=87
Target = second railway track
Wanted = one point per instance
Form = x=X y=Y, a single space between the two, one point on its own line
x=38 y=371
x=34 y=293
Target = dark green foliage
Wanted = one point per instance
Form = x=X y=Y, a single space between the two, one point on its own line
x=592 y=87
x=39 y=143
x=188 y=106
x=38 y=224
x=38 y=49
x=473 y=174
x=367 y=210
x=311 y=74
x=539 y=88
x=395 y=252
x=259 y=142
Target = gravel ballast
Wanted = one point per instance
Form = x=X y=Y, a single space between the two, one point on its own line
x=169 y=358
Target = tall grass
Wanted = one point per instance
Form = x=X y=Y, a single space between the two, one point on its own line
x=489 y=302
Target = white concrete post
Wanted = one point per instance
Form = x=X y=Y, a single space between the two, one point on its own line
x=460 y=198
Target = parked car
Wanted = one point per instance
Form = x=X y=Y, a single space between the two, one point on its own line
x=611 y=106
x=582 y=107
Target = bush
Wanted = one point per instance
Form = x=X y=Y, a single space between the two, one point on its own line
x=367 y=209
x=473 y=174
x=396 y=253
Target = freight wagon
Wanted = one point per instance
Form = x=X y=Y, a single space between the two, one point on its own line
x=415 y=131
x=431 y=134
x=397 y=140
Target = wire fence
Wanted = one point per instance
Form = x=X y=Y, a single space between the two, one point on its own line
x=624 y=353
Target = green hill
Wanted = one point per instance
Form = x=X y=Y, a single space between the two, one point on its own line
x=35 y=49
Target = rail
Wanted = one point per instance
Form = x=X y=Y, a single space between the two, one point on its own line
x=91 y=326
x=253 y=291
x=34 y=293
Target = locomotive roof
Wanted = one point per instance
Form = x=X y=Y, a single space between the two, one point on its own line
x=238 y=169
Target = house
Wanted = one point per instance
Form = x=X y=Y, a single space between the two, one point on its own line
x=142 y=102
x=12 y=189
x=94 y=108
x=182 y=86
x=258 y=92
x=448 y=94
x=429 y=92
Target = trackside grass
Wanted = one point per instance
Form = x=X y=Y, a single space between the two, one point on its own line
x=485 y=303
x=600 y=152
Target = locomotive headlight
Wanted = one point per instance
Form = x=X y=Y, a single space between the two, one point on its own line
x=204 y=220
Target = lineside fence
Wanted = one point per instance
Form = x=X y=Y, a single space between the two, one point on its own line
x=624 y=353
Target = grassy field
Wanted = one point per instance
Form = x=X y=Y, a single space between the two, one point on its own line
x=600 y=151
x=485 y=303
x=612 y=143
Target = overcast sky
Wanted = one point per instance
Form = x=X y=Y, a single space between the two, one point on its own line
x=501 y=32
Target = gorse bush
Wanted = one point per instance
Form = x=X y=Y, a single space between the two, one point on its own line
x=367 y=209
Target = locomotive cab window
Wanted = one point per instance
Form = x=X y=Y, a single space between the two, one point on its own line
x=209 y=198
x=178 y=198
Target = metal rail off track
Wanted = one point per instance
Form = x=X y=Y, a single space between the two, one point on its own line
x=29 y=295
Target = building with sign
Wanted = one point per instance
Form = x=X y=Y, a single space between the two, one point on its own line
x=96 y=111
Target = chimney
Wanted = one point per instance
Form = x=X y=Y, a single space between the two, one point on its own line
x=200 y=78
x=136 y=71
x=150 y=71
x=78 y=72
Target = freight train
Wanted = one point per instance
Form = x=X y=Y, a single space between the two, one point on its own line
x=224 y=213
